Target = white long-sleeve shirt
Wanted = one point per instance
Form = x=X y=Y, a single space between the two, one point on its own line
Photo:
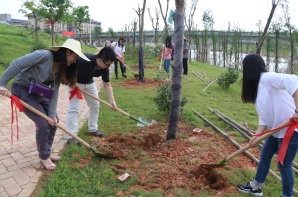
x=275 y=103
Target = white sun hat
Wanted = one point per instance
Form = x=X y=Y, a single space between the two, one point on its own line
x=73 y=45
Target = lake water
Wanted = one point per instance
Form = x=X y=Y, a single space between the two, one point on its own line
x=282 y=62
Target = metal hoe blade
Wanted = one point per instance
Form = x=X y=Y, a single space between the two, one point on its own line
x=145 y=122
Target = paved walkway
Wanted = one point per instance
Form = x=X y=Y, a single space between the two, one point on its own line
x=20 y=168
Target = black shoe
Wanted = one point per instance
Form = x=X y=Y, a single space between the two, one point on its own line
x=73 y=141
x=97 y=133
x=249 y=189
x=116 y=77
x=124 y=76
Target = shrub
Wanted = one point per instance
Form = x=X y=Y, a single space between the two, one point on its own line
x=132 y=52
x=38 y=45
x=160 y=75
x=228 y=78
x=164 y=97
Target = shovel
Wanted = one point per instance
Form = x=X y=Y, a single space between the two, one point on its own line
x=243 y=149
x=121 y=60
x=141 y=121
x=29 y=107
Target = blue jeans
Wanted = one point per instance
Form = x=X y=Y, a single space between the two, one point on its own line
x=166 y=65
x=272 y=146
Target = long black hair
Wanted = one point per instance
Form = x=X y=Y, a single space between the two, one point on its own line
x=169 y=42
x=67 y=74
x=253 y=66
x=123 y=39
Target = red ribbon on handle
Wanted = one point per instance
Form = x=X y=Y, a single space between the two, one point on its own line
x=15 y=101
x=286 y=140
x=76 y=91
x=120 y=59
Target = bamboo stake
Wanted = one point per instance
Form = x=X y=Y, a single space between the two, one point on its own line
x=229 y=123
x=207 y=77
x=199 y=77
x=242 y=132
x=246 y=130
x=209 y=85
x=186 y=78
x=239 y=146
x=234 y=122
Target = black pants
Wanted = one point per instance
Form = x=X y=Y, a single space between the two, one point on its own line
x=185 y=66
x=121 y=67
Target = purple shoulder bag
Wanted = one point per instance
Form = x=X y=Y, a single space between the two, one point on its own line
x=41 y=90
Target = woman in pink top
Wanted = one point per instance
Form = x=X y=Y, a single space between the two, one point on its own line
x=167 y=51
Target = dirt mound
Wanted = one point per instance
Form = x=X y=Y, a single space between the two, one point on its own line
x=165 y=165
x=136 y=67
x=132 y=83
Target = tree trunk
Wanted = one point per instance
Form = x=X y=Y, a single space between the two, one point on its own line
x=80 y=35
x=268 y=47
x=52 y=25
x=177 y=70
x=259 y=47
x=141 y=53
x=134 y=38
x=291 y=51
x=35 y=24
x=276 y=50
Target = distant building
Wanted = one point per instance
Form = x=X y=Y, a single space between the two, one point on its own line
x=16 y=22
x=43 y=24
x=62 y=27
x=5 y=17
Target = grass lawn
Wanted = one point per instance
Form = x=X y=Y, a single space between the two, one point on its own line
x=82 y=174
x=138 y=101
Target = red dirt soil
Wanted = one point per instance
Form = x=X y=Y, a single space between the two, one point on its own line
x=165 y=165
x=159 y=164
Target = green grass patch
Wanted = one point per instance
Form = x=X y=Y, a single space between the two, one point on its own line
x=96 y=177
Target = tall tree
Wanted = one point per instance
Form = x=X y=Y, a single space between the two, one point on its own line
x=55 y=11
x=155 y=25
x=189 y=23
x=134 y=29
x=208 y=22
x=98 y=32
x=274 y=6
x=31 y=9
x=177 y=69
x=140 y=12
x=290 y=29
x=164 y=16
x=259 y=25
x=80 y=15
x=276 y=28
x=127 y=29
x=111 y=32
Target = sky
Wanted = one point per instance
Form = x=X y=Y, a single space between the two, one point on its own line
x=117 y=14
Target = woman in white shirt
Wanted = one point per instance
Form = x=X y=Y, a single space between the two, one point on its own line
x=119 y=50
x=275 y=97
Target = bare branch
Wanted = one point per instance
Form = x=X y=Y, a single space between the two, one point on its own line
x=164 y=16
